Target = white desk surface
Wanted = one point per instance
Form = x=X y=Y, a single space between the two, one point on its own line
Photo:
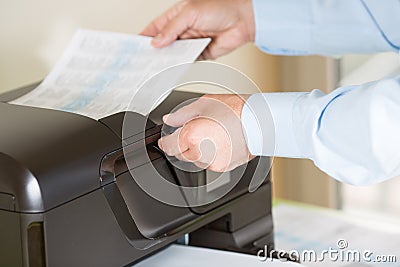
x=186 y=256
x=303 y=227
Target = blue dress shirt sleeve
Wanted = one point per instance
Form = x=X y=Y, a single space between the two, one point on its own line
x=353 y=133
x=326 y=27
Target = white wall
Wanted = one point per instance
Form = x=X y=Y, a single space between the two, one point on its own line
x=33 y=35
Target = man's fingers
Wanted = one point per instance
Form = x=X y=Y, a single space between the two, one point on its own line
x=192 y=155
x=173 y=29
x=151 y=30
x=194 y=158
x=180 y=157
x=183 y=115
x=173 y=144
x=169 y=26
x=157 y=25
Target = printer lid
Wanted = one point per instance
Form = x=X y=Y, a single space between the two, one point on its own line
x=49 y=157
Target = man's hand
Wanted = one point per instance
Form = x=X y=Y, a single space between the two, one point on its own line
x=211 y=133
x=230 y=24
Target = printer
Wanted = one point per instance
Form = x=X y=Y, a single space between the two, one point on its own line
x=68 y=198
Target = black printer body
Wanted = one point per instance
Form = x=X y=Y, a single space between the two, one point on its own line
x=67 y=196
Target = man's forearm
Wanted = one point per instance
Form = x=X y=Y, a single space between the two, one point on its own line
x=352 y=133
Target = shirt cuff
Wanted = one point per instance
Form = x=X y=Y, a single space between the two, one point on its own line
x=283 y=27
x=267 y=121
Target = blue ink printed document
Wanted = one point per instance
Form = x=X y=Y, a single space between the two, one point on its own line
x=100 y=72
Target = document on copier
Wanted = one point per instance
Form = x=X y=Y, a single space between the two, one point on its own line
x=100 y=72
x=187 y=256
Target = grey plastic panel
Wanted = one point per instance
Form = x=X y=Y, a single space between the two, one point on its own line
x=116 y=123
x=247 y=228
x=244 y=174
x=163 y=218
x=18 y=181
x=7 y=202
x=84 y=232
x=10 y=239
x=91 y=233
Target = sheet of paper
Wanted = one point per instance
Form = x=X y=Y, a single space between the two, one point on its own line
x=99 y=72
x=300 y=229
x=184 y=256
